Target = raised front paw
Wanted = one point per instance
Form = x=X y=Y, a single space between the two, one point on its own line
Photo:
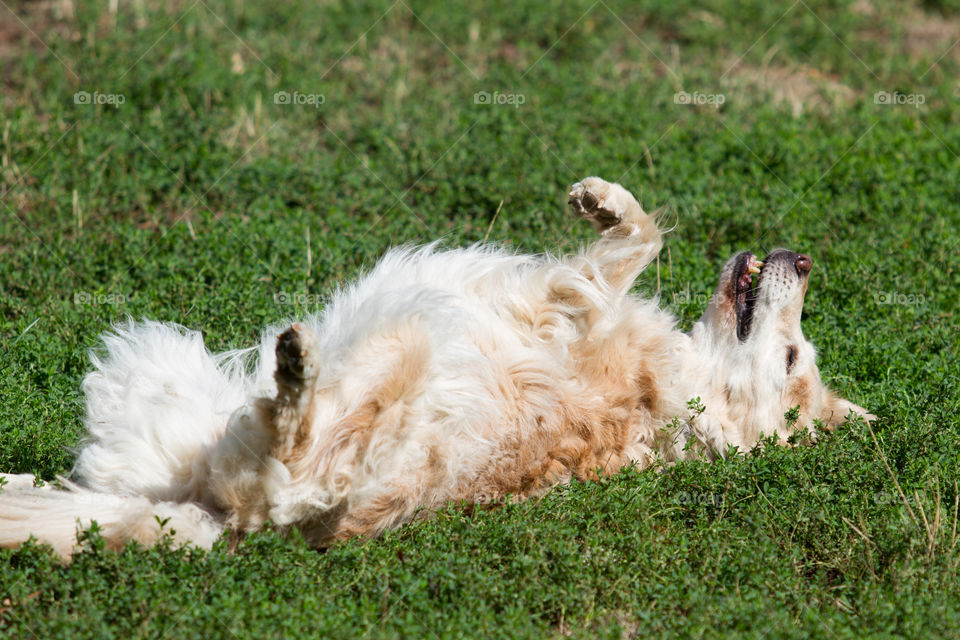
x=607 y=205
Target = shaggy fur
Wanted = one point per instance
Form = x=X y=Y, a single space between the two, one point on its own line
x=467 y=375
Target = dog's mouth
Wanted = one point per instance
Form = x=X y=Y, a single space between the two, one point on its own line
x=786 y=269
x=744 y=291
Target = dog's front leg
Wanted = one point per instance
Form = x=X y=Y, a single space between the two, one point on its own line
x=629 y=237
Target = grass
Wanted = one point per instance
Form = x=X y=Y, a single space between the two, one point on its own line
x=200 y=200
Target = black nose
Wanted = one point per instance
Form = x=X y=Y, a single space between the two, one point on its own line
x=803 y=263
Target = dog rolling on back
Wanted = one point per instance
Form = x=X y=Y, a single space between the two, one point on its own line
x=465 y=375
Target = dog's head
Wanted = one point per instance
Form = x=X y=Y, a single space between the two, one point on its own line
x=757 y=365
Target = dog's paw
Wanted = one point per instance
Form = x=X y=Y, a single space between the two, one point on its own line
x=296 y=355
x=607 y=205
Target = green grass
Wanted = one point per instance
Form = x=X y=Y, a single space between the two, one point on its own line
x=201 y=201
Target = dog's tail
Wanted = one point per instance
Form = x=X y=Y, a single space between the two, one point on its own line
x=57 y=516
x=157 y=403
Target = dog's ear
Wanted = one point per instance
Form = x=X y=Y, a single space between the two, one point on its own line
x=836 y=410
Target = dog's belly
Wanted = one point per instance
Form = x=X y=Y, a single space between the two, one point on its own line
x=477 y=395
x=512 y=429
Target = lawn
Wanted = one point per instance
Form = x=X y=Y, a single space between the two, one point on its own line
x=224 y=165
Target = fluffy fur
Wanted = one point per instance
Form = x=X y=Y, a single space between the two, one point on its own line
x=466 y=375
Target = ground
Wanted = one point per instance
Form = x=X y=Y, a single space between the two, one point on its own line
x=225 y=164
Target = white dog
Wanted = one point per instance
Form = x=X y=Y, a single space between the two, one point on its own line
x=467 y=375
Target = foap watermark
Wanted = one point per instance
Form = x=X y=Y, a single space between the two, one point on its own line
x=895 y=297
x=299 y=298
x=295 y=498
x=911 y=99
x=499 y=98
x=695 y=498
x=494 y=499
x=893 y=497
x=99 y=499
x=111 y=99
x=698 y=99
x=299 y=99
x=685 y=297
x=92 y=299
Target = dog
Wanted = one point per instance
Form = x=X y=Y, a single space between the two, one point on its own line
x=469 y=376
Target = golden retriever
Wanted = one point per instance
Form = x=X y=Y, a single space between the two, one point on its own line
x=469 y=375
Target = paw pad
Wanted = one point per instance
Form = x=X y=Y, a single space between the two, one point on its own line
x=290 y=352
x=590 y=200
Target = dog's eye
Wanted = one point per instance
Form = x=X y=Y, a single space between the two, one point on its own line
x=791 y=357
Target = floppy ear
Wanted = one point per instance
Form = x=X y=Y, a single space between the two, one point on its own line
x=836 y=410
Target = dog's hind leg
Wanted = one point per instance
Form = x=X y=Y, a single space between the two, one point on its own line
x=629 y=237
x=247 y=467
x=332 y=431
x=297 y=364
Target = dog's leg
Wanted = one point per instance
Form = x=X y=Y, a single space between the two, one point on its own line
x=297 y=364
x=248 y=467
x=629 y=237
x=334 y=433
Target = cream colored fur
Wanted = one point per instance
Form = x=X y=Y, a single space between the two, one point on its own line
x=466 y=375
